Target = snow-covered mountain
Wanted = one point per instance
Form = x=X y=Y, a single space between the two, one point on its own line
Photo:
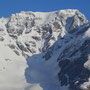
x=45 y=51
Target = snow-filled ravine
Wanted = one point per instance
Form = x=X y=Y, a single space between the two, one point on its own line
x=41 y=74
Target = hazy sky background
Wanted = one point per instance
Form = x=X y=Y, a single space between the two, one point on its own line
x=8 y=7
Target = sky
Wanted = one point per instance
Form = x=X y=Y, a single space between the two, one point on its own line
x=8 y=7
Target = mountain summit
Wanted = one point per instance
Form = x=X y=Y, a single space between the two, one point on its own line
x=45 y=51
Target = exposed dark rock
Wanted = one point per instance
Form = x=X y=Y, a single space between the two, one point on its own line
x=56 y=25
x=1 y=38
x=32 y=43
x=16 y=52
x=12 y=46
x=48 y=55
x=74 y=68
x=20 y=45
x=36 y=38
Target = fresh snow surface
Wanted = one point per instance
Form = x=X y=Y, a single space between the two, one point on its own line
x=11 y=70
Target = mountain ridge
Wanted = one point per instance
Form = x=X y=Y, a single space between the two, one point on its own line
x=37 y=37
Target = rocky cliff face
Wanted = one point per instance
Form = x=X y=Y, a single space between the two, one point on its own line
x=60 y=38
x=74 y=62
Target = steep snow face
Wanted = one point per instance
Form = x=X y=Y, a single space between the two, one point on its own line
x=74 y=61
x=37 y=30
x=40 y=38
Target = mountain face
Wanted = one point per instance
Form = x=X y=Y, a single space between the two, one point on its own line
x=45 y=51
